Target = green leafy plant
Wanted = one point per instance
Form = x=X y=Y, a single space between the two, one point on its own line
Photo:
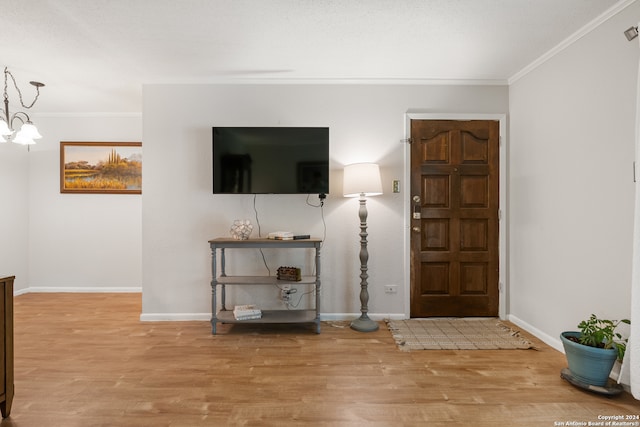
x=602 y=333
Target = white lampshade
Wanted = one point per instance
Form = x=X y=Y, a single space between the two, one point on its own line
x=30 y=131
x=4 y=128
x=362 y=178
x=21 y=139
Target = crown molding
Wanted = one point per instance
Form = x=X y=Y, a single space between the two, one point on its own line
x=100 y=115
x=333 y=81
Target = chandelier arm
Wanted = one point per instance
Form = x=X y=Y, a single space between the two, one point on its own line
x=17 y=116
x=6 y=96
x=7 y=72
x=5 y=112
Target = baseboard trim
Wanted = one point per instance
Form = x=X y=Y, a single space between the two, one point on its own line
x=351 y=316
x=73 y=289
x=174 y=317
x=548 y=339
x=183 y=317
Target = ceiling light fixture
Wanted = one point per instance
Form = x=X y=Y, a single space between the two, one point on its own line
x=631 y=33
x=28 y=132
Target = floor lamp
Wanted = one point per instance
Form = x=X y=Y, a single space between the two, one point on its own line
x=363 y=179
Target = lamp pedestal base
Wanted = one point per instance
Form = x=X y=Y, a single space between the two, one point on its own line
x=364 y=324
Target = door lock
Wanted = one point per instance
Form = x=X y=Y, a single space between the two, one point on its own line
x=416 y=207
x=415 y=229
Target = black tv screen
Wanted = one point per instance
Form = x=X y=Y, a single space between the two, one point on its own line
x=276 y=160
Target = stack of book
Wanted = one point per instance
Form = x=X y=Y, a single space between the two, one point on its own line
x=281 y=235
x=246 y=312
x=287 y=235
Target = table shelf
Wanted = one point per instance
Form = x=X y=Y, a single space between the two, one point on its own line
x=272 y=316
x=263 y=280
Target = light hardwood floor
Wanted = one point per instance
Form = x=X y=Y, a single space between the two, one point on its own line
x=87 y=360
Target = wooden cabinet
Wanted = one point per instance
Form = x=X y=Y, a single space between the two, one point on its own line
x=220 y=278
x=6 y=345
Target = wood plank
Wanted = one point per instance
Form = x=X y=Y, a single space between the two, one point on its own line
x=87 y=360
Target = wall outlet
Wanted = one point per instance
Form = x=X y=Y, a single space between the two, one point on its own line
x=285 y=296
x=391 y=289
x=285 y=293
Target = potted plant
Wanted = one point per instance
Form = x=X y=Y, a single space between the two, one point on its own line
x=593 y=350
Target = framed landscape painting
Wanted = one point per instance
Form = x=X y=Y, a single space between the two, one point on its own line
x=101 y=167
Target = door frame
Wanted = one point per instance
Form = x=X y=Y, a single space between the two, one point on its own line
x=503 y=239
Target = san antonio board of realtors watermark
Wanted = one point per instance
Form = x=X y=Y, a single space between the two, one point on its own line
x=603 y=420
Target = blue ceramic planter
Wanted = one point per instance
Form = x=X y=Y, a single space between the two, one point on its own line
x=588 y=364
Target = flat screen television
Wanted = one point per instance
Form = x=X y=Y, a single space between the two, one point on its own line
x=270 y=160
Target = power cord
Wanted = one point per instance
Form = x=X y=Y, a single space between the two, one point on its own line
x=321 y=197
x=255 y=210
x=292 y=305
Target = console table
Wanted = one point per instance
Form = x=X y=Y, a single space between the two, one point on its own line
x=220 y=278
x=6 y=345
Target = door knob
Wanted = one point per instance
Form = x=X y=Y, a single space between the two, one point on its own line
x=416 y=199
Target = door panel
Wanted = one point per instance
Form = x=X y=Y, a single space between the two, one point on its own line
x=454 y=239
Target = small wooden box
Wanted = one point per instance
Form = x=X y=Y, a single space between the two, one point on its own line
x=289 y=273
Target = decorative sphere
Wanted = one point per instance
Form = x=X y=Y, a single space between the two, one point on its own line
x=241 y=229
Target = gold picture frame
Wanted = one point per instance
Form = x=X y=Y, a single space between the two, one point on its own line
x=101 y=167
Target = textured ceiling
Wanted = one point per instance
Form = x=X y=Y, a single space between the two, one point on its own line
x=94 y=55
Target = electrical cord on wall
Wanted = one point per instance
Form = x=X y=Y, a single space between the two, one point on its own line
x=291 y=305
x=320 y=205
x=255 y=210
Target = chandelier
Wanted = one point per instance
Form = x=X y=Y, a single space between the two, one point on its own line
x=28 y=132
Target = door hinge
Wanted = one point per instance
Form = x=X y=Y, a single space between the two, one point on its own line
x=499 y=214
x=406 y=141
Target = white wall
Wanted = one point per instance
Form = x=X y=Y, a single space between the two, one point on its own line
x=14 y=213
x=81 y=241
x=570 y=187
x=180 y=213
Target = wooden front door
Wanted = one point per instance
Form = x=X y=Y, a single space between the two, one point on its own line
x=454 y=224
